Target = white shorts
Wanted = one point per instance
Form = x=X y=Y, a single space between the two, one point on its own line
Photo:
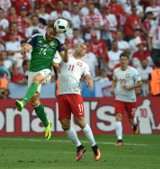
x=46 y=73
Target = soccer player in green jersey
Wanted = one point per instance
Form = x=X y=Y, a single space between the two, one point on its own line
x=43 y=49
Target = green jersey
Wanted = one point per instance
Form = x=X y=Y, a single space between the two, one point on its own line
x=43 y=52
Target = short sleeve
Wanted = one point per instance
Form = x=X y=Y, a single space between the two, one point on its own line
x=114 y=76
x=60 y=47
x=86 y=70
x=137 y=76
x=32 y=41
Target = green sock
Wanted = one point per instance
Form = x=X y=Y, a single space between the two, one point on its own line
x=41 y=114
x=30 y=92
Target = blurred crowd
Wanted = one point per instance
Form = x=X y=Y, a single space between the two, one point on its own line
x=107 y=26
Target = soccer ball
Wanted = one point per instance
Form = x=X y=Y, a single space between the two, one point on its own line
x=61 y=25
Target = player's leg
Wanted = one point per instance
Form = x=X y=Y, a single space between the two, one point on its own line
x=77 y=106
x=72 y=135
x=80 y=121
x=119 y=110
x=39 y=110
x=64 y=117
x=131 y=111
x=134 y=124
x=35 y=79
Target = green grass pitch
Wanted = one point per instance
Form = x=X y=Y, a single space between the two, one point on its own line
x=138 y=152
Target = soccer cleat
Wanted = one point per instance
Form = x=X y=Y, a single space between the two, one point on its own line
x=80 y=153
x=48 y=132
x=119 y=143
x=96 y=152
x=135 y=129
x=19 y=105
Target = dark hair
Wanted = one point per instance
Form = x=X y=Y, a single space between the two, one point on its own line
x=133 y=6
x=42 y=21
x=145 y=16
x=149 y=13
x=51 y=26
x=34 y=16
x=25 y=62
x=75 y=29
x=140 y=30
x=23 y=41
x=157 y=61
x=123 y=54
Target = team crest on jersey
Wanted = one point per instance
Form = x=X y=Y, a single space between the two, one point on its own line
x=79 y=64
x=52 y=44
x=127 y=75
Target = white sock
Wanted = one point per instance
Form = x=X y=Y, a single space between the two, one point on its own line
x=119 y=130
x=88 y=133
x=71 y=133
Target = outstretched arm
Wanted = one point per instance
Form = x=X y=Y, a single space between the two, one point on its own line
x=64 y=54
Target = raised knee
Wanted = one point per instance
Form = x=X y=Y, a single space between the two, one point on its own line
x=35 y=103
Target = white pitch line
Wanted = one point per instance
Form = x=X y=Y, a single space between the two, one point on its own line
x=68 y=141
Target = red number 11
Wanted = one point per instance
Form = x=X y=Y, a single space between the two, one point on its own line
x=71 y=67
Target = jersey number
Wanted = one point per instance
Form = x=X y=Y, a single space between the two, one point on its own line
x=80 y=107
x=42 y=51
x=122 y=81
x=143 y=112
x=71 y=67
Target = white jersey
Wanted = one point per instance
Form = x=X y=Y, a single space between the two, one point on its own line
x=91 y=60
x=71 y=73
x=128 y=77
x=155 y=35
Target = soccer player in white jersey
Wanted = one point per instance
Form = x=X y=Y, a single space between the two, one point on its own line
x=70 y=100
x=125 y=80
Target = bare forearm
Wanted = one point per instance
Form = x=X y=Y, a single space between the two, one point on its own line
x=64 y=55
x=149 y=43
x=89 y=81
x=87 y=78
x=137 y=85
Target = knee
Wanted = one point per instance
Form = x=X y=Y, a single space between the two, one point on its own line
x=35 y=102
x=65 y=126
x=36 y=80
x=80 y=122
